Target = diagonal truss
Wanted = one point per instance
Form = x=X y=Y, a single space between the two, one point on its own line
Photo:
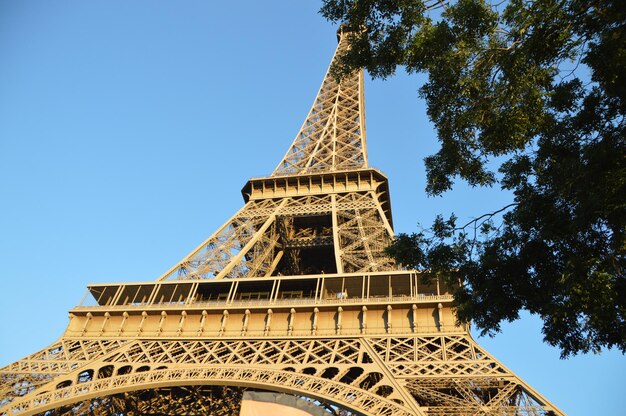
x=443 y=374
x=255 y=239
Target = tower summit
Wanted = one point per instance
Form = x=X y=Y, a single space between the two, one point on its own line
x=293 y=294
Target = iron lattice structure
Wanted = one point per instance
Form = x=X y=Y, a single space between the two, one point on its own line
x=293 y=294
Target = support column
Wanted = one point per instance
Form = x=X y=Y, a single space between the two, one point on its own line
x=336 y=242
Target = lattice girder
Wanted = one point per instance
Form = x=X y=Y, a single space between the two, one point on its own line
x=156 y=364
x=365 y=374
x=66 y=355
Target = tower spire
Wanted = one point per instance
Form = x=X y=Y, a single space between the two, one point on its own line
x=332 y=137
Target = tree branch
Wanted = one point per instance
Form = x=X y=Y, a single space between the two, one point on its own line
x=489 y=214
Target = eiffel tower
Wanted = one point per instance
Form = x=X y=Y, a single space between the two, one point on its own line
x=293 y=294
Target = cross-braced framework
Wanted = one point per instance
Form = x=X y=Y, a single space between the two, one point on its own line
x=254 y=241
x=332 y=137
x=293 y=294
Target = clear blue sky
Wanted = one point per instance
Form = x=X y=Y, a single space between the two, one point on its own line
x=127 y=129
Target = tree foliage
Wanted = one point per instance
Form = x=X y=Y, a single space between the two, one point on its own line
x=538 y=90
